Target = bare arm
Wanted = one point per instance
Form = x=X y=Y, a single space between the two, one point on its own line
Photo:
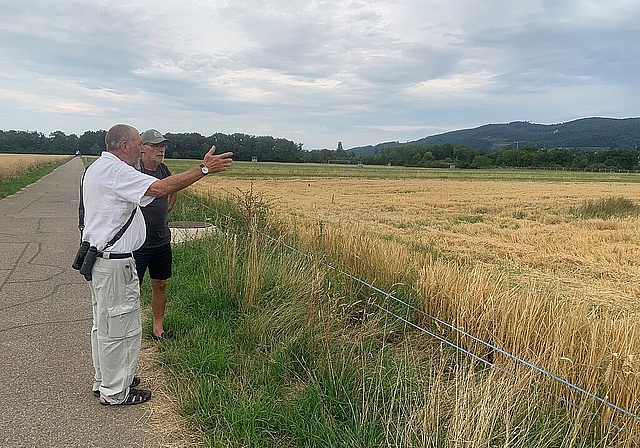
x=172 y=200
x=176 y=182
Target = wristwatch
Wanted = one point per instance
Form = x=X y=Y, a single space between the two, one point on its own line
x=204 y=169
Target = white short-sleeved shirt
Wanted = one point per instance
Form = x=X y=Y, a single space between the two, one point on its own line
x=111 y=190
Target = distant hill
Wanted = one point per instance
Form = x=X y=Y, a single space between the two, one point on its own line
x=585 y=133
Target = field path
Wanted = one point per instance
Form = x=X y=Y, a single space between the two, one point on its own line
x=45 y=320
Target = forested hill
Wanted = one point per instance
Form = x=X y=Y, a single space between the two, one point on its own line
x=585 y=133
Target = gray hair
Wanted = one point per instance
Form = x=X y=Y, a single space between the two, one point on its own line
x=117 y=134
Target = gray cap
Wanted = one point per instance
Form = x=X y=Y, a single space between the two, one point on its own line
x=153 y=137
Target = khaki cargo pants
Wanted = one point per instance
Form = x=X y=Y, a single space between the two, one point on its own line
x=116 y=334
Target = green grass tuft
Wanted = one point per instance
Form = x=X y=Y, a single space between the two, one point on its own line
x=607 y=208
x=469 y=219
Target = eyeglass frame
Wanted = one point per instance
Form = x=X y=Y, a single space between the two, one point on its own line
x=156 y=146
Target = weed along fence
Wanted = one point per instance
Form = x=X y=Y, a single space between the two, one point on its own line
x=479 y=349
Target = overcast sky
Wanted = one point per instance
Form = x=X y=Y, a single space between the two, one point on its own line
x=315 y=72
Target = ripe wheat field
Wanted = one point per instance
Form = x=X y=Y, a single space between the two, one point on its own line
x=15 y=165
x=525 y=226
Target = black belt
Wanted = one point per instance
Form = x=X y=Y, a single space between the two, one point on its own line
x=114 y=256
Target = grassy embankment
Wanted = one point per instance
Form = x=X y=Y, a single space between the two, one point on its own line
x=277 y=349
x=19 y=170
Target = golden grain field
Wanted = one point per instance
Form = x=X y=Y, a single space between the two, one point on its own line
x=15 y=165
x=519 y=225
x=514 y=266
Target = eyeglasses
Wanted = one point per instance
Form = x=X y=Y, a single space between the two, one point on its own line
x=157 y=146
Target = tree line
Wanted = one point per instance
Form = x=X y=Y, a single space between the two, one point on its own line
x=183 y=146
x=271 y=149
x=445 y=155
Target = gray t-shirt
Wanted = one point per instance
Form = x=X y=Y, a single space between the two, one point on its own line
x=156 y=214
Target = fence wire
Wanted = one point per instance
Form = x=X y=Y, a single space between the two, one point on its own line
x=461 y=349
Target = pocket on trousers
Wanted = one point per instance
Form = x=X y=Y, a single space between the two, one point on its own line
x=123 y=321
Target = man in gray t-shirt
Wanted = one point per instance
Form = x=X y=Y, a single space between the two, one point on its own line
x=155 y=254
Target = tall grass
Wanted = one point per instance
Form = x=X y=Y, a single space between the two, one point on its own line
x=607 y=208
x=590 y=346
x=277 y=349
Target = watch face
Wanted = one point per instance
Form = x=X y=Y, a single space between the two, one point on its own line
x=204 y=169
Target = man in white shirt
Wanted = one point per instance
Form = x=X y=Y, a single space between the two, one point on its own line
x=112 y=190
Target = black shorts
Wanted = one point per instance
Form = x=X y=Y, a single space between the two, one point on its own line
x=157 y=259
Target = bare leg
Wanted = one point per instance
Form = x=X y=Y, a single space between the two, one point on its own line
x=158 y=303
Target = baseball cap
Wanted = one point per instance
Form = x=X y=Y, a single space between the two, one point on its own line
x=153 y=137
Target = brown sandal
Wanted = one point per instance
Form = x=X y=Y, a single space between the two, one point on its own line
x=136 y=396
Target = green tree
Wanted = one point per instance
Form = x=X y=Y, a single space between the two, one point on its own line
x=480 y=162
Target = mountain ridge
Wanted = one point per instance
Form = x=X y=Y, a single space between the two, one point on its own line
x=582 y=133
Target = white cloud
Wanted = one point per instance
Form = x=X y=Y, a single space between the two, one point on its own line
x=458 y=85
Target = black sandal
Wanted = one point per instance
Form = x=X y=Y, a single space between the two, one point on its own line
x=134 y=383
x=165 y=336
x=136 y=396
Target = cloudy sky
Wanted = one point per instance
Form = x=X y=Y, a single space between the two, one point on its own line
x=315 y=72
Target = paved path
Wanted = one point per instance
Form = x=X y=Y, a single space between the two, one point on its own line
x=45 y=320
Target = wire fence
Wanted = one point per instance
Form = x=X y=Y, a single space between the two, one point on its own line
x=492 y=348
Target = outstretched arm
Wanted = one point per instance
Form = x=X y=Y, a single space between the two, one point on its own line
x=176 y=182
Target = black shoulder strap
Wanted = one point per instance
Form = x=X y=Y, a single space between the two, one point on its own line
x=81 y=217
x=81 y=205
x=122 y=230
